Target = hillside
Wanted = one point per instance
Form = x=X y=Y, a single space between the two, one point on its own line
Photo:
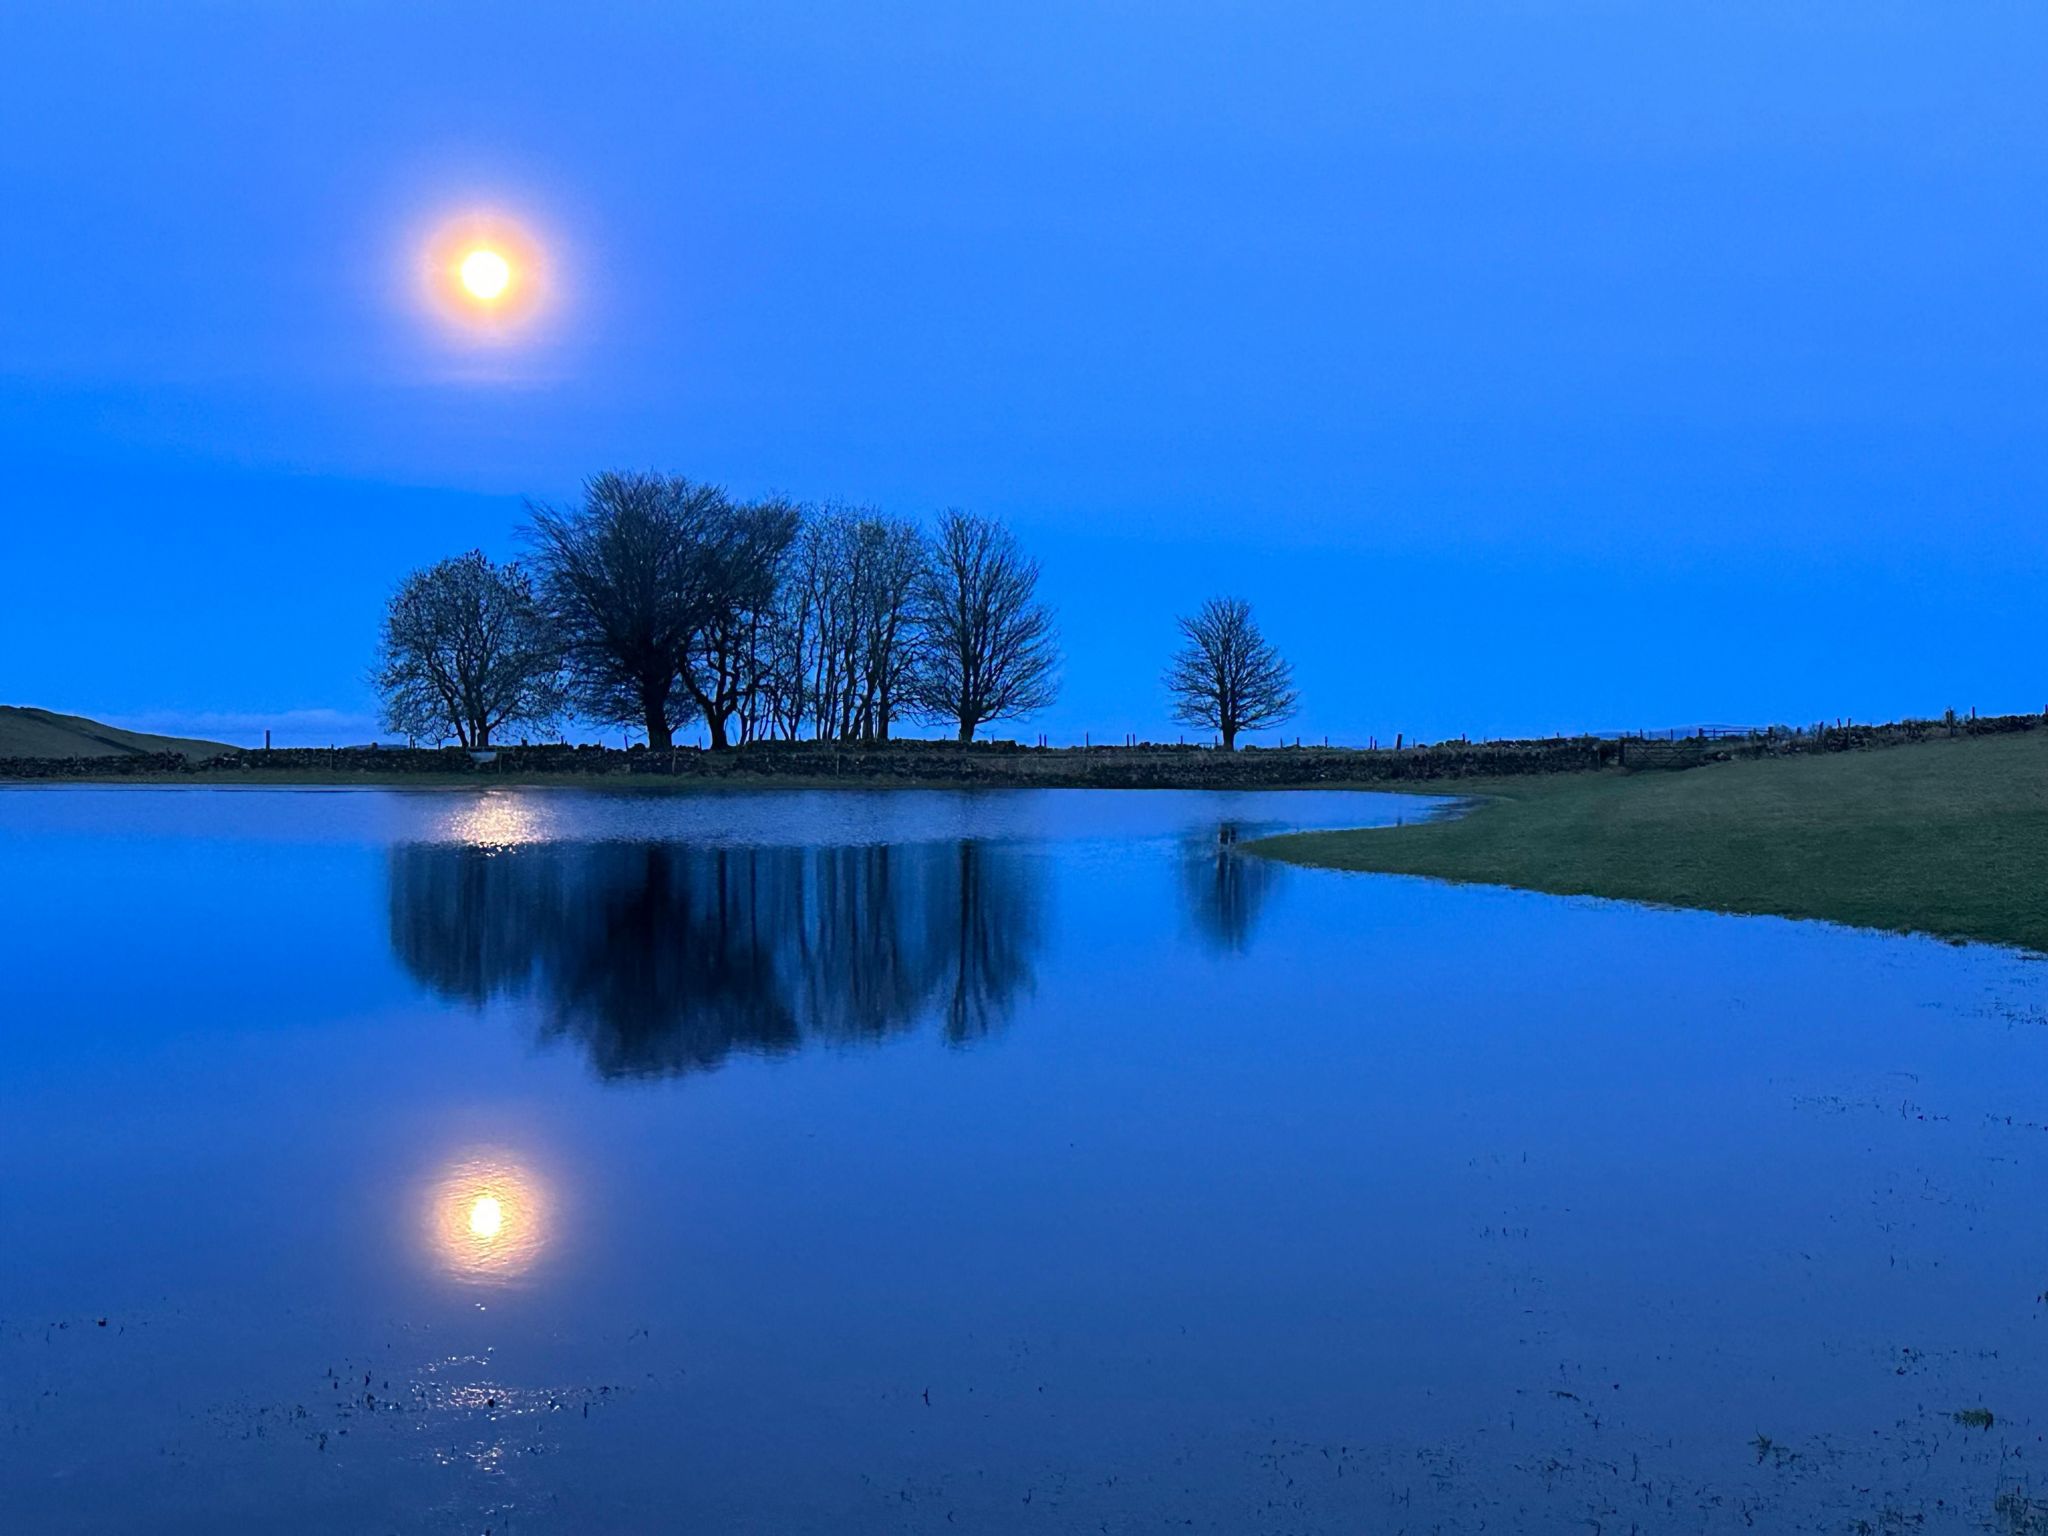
x=40 y=733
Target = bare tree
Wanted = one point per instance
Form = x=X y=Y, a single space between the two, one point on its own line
x=1227 y=676
x=628 y=578
x=466 y=652
x=895 y=560
x=828 y=622
x=988 y=650
x=793 y=625
x=743 y=562
x=845 y=632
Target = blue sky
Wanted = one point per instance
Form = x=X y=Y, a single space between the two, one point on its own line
x=1529 y=366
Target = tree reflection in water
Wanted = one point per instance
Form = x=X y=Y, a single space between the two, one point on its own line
x=664 y=958
x=1226 y=888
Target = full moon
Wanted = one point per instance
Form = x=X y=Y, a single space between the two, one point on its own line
x=486 y=274
x=487 y=278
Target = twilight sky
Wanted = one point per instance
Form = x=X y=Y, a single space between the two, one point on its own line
x=1529 y=366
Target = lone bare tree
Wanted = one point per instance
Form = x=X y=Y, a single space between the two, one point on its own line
x=467 y=651
x=989 y=650
x=1226 y=675
x=629 y=582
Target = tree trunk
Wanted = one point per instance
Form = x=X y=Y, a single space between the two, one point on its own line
x=1230 y=738
x=966 y=731
x=658 y=734
x=718 y=737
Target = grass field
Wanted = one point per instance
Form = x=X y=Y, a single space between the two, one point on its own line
x=1947 y=838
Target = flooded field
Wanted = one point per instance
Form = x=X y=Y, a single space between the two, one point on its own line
x=549 y=1161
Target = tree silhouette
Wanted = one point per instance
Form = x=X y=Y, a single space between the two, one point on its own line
x=629 y=580
x=467 y=651
x=989 y=651
x=1226 y=675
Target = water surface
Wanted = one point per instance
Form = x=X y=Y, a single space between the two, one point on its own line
x=547 y=1161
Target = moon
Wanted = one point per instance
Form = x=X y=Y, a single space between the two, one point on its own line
x=486 y=274
x=487 y=280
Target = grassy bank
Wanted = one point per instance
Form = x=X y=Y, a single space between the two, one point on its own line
x=1947 y=838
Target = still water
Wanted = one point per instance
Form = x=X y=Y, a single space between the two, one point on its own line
x=546 y=1161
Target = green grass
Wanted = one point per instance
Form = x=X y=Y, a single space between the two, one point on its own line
x=1947 y=838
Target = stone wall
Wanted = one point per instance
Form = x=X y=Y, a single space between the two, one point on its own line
x=1008 y=763
x=993 y=763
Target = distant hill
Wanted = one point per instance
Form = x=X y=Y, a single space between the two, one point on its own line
x=39 y=733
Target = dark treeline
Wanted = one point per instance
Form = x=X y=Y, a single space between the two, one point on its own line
x=664 y=958
x=657 y=602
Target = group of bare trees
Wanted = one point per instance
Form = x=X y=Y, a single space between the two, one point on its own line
x=657 y=602
x=846 y=636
